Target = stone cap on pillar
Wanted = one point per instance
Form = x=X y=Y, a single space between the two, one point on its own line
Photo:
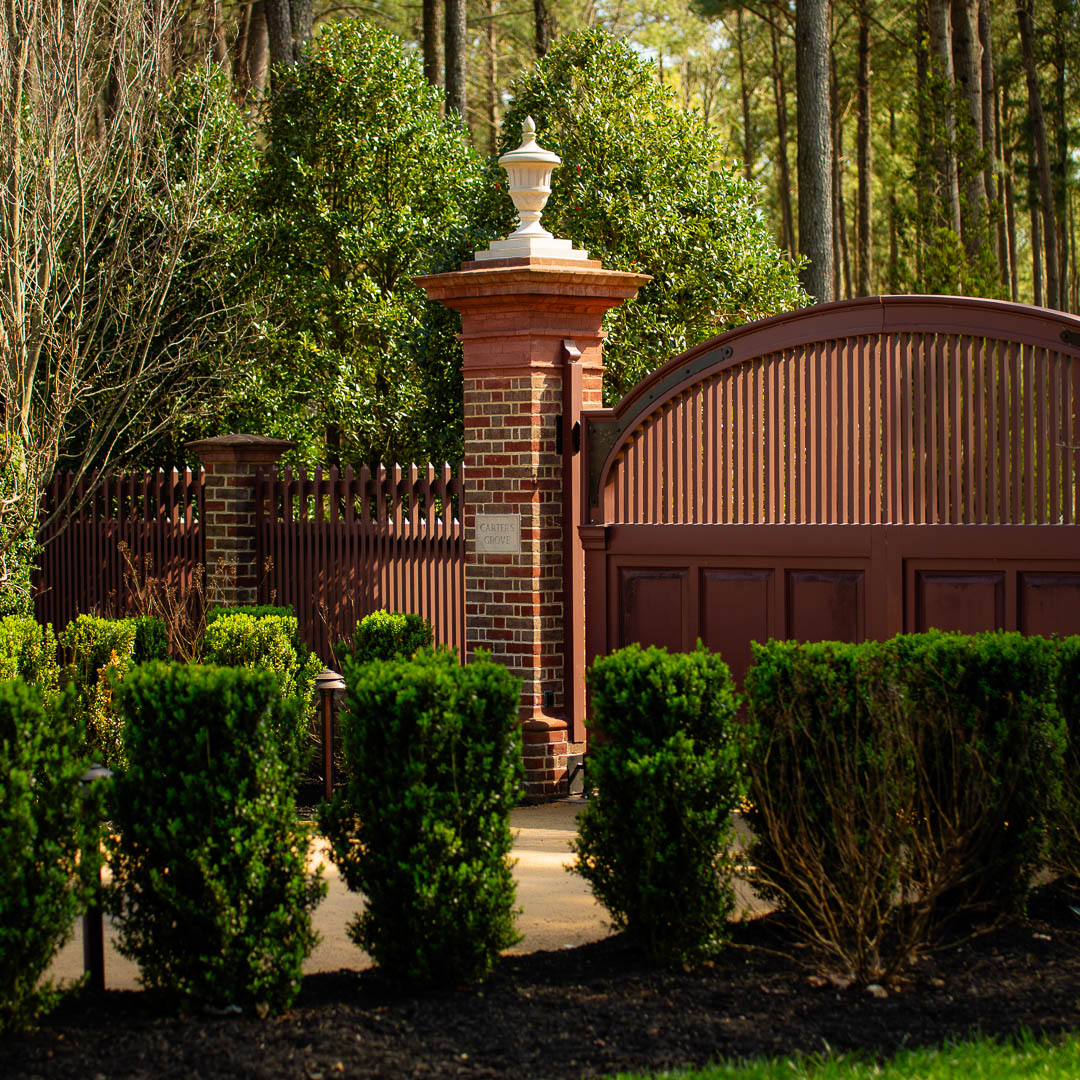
x=240 y=449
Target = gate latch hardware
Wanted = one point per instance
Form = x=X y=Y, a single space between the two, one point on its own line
x=1071 y=337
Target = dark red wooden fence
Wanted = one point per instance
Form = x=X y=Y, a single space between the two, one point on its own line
x=156 y=514
x=338 y=545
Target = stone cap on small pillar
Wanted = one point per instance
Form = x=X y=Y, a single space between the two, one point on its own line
x=240 y=449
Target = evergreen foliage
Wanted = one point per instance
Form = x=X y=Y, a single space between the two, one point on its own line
x=433 y=751
x=644 y=187
x=655 y=840
x=363 y=185
x=210 y=889
x=49 y=856
x=28 y=652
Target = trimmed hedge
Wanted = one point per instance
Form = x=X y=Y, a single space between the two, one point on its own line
x=422 y=827
x=211 y=892
x=1064 y=853
x=388 y=635
x=28 y=652
x=896 y=783
x=656 y=840
x=49 y=855
x=99 y=652
x=269 y=642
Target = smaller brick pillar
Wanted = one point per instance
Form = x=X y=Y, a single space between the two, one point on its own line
x=231 y=462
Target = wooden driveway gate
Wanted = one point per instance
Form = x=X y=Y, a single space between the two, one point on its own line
x=849 y=471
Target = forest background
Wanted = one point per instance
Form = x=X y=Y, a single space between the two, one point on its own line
x=213 y=208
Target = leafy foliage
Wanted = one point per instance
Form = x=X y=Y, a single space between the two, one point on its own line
x=363 y=185
x=271 y=643
x=655 y=841
x=643 y=188
x=422 y=828
x=49 y=856
x=28 y=652
x=210 y=888
x=896 y=783
x=1065 y=823
x=389 y=635
x=99 y=652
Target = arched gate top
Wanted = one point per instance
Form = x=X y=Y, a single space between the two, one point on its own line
x=608 y=430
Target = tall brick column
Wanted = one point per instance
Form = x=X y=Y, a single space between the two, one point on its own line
x=532 y=339
x=231 y=463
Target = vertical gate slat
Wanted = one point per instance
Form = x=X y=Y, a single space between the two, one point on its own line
x=1050 y=436
x=1028 y=470
x=979 y=432
x=1042 y=435
x=1017 y=434
x=955 y=445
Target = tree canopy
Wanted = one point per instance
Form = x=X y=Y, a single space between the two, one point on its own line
x=645 y=187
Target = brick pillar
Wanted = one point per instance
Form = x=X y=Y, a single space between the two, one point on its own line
x=531 y=335
x=231 y=462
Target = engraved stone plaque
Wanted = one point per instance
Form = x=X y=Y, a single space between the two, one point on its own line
x=498 y=534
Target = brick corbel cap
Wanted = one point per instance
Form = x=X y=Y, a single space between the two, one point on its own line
x=556 y=284
x=240 y=449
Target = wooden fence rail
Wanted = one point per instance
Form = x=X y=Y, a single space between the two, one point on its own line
x=337 y=545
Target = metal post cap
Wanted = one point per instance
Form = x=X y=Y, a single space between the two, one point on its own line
x=328 y=680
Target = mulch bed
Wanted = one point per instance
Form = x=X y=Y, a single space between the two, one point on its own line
x=588 y=1011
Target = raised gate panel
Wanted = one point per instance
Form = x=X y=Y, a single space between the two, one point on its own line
x=652 y=606
x=968 y=602
x=735 y=610
x=826 y=605
x=1049 y=603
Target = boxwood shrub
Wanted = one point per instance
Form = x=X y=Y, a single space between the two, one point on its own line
x=1065 y=822
x=422 y=826
x=656 y=839
x=48 y=846
x=991 y=751
x=28 y=652
x=895 y=784
x=270 y=643
x=211 y=892
x=387 y=635
x=99 y=651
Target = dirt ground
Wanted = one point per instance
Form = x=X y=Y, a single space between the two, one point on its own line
x=584 y=1006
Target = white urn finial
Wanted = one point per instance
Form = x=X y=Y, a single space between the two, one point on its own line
x=529 y=169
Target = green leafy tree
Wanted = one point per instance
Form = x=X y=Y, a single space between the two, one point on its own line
x=643 y=188
x=363 y=186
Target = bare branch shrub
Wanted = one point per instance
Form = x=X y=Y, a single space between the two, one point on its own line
x=102 y=223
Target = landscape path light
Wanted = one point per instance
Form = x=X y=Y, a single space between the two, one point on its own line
x=529 y=168
x=328 y=682
x=94 y=917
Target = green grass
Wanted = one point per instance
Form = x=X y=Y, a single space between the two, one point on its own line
x=1046 y=1059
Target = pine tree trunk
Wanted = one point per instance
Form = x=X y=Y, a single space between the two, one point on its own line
x=780 y=94
x=1005 y=256
x=865 y=157
x=922 y=136
x=492 y=80
x=455 y=57
x=431 y=32
x=815 y=147
x=744 y=93
x=944 y=88
x=302 y=15
x=279 y=29
x=1042 y=157
x=217 y=33
x=967 y=59
x=989 y=99
x=1010 y=200
x=542 y=25
x=1036 y=239
x=1061 y=164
